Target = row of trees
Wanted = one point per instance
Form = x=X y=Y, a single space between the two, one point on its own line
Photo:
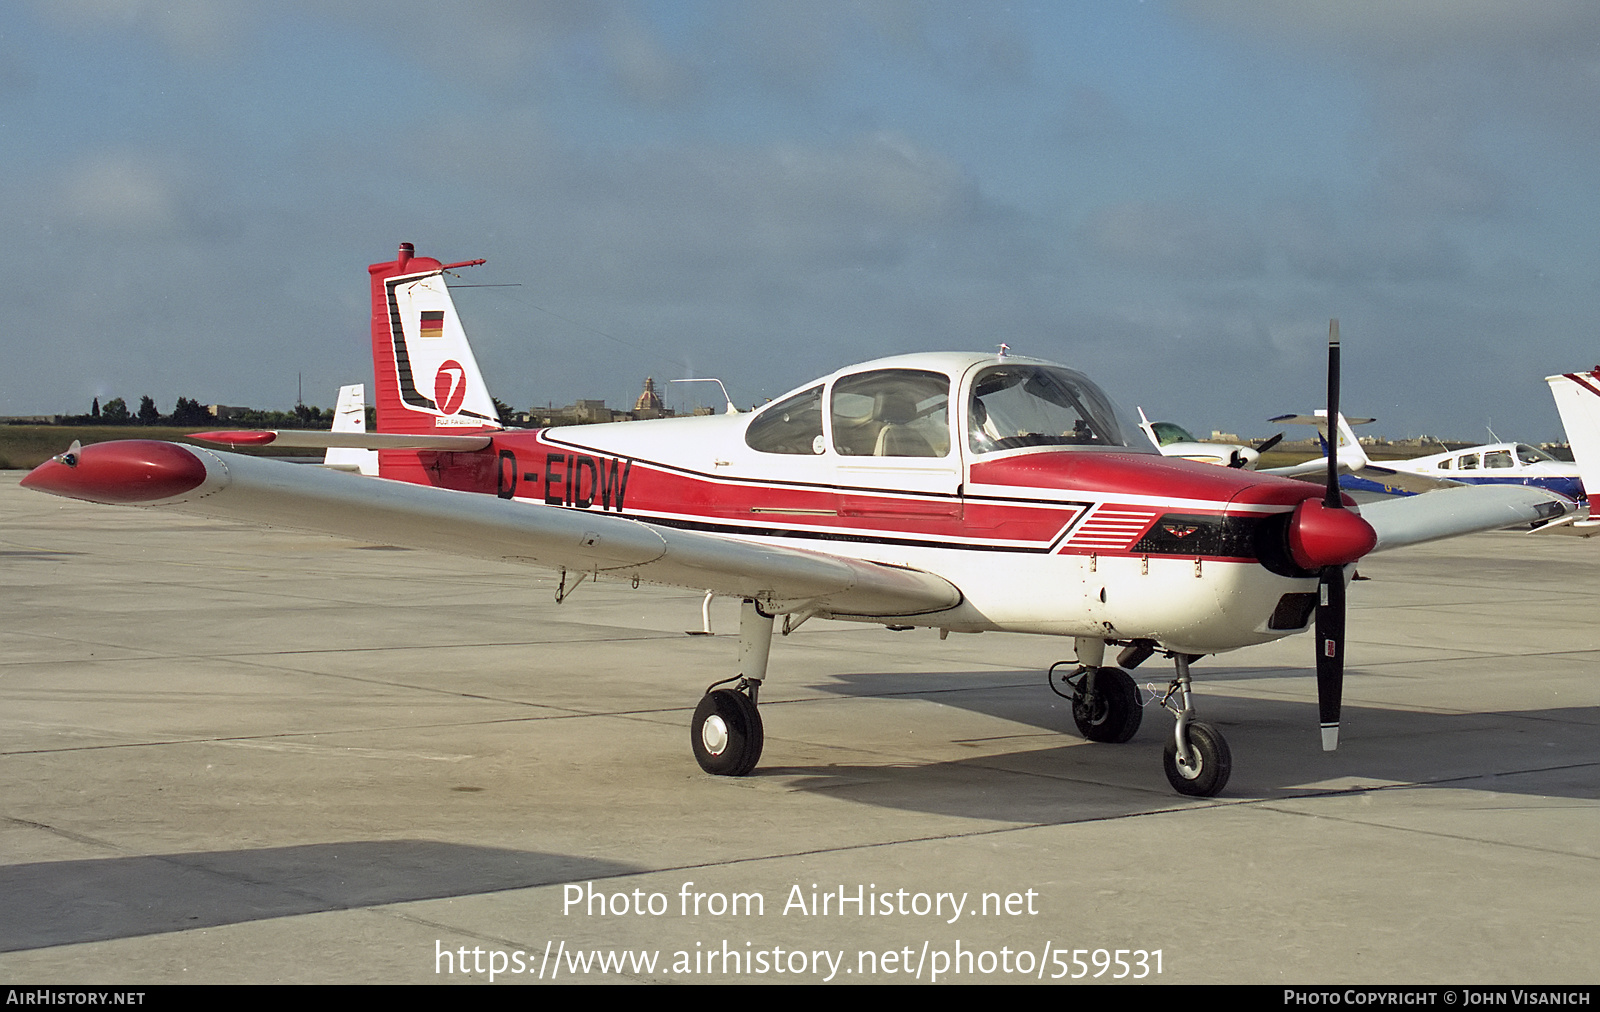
x=192 y=412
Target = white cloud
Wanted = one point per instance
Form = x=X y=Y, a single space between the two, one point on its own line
x=121 y=191
x=1180 y=239
x=191 y=28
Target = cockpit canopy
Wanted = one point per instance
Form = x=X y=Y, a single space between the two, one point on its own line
x=906 y=412
x=1168 y=433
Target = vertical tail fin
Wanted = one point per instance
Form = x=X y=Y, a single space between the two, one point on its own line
x=426 y=378
x=1341 y=442
x=351 y=416
x=1577 y=396
x=1350 y=454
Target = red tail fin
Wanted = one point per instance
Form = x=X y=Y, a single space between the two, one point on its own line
x=425 y=377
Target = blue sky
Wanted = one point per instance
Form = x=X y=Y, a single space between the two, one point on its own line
x=1172 y=196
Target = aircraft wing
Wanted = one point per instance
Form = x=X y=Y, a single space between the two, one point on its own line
x=1316 y=472
x=325 y=439
x=1404 y=481
x=1464 y=509
x=213 y=483
x=1394 y=481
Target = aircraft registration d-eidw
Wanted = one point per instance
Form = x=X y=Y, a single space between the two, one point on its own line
x=962 y=492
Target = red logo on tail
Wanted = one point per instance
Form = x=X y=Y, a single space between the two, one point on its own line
x=450 y=386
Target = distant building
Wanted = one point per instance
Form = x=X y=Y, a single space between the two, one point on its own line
x=649 y=403
x=588 y=411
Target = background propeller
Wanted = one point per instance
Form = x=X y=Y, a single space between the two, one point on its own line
x=1250 y=456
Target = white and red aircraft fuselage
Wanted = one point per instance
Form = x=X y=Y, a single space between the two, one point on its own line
x=959 y=491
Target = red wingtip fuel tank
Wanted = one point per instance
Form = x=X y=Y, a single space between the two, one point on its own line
x=124 y=471
x=237 y=437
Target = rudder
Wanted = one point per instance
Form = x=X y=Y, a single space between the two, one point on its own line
x=425 y=376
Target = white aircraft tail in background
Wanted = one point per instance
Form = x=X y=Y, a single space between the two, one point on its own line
x=1577 y=397
x=351 y=416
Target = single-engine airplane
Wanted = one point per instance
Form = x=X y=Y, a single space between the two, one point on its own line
x=1488 y=464
x=957 y=491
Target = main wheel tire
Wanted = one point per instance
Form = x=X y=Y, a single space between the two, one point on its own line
x=726 y=734
x=1114 y=713
x=1213 y=763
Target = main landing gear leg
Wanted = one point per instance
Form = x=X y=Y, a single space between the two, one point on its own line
x=1105 y=701
x=726 y=734
x=1197 y=760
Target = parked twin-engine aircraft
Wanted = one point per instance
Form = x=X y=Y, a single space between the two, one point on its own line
x=957 y=491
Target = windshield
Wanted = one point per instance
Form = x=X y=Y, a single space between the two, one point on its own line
x=1016 y=405
x=1529 y=455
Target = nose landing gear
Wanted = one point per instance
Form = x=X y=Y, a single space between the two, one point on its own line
x=1197 y=759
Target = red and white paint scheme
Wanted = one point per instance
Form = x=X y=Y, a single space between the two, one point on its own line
x=958 y=491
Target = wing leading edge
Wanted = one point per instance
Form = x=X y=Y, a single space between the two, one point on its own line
x=232 y=486
x=1465 y=509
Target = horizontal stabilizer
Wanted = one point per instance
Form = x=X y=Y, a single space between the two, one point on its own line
x=1319 y=419
x=321 y=439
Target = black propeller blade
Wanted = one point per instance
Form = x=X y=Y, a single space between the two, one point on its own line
x=1330 y=596
x=1267 y=444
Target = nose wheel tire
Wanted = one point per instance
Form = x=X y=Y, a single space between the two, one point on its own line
x=726 y=734
x=1113 y=713
x=1208 y=773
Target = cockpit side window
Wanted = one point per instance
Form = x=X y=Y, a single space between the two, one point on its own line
x=793 y=425
x=1498 y=458
x=892 y=413
x=1033 y=405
